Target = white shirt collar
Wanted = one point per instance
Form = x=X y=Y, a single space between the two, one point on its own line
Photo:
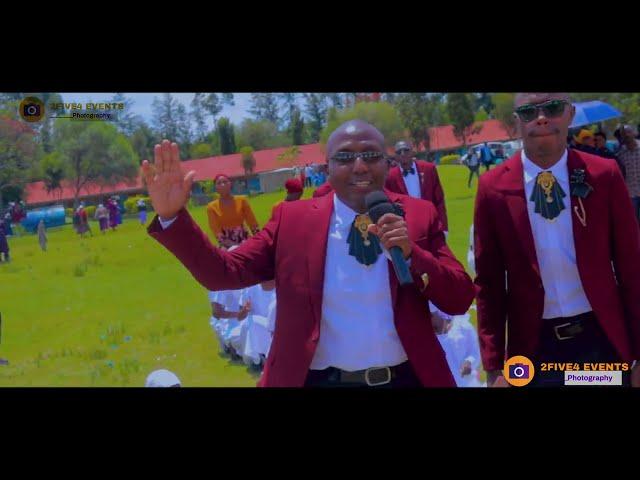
x=559 y=170
x=344 y=215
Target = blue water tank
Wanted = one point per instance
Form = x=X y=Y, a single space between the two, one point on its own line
x=53 y=217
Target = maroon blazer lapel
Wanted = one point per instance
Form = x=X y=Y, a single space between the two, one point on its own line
x=395 y=182
x=512 y=186
x=426 y=188
x=315 y=241
x=581 y=233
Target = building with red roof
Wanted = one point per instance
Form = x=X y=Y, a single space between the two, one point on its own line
x=442 y=140
x=205 y=168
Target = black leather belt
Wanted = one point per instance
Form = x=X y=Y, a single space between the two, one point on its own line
x=567 y=328
x=371 y=377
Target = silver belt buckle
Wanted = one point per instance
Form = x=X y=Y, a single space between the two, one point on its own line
x=560 y=337
x=375 y=384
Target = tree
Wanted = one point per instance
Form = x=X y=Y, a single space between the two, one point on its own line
x=44 y=128
x=504 y=112
x=460 y=109
x=484 y=101
x=52 y=168
x=289 y=102
x=226 y=136
x=260 y=134
x=198 y=113
x=143 y=140
x=19 y=155
x=213 y=103
x=264 y=106
x=481 y=115
x=200 y=150
x=390 y=97
x=289 y=156
x=171 y=121
x=126 y=121
x=416 y=111
x=379 y=114
x=337 y=99
x=94 y=153
x=296 y=127
x=248 y=161
x=316 y=110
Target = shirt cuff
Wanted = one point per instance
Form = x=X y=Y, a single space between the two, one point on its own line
x=166 y=223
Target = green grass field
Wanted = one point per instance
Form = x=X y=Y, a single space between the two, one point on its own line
x=107 y=310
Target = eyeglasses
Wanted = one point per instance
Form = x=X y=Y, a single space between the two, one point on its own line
x=550 y=109
x=350 y=157
x=403 y=150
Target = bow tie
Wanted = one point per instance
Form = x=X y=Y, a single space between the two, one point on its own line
x=408 y=171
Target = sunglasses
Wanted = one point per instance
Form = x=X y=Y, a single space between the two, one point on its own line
x=402 y=150
x=551 y=109
x=350 y=157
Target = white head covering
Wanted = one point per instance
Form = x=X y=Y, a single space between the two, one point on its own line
x=162 y=378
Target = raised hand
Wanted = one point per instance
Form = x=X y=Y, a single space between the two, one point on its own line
x=168 y=186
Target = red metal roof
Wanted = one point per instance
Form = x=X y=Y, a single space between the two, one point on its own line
x=266 y=160
x=205 y=168
x=442 y=138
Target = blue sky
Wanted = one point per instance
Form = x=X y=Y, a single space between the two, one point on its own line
x=143 y=101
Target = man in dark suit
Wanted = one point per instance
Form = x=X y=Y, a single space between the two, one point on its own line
x=557 y=252
x=418 y=179
x=342 y=317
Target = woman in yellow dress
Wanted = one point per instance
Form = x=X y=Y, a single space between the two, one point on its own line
x=228 y=215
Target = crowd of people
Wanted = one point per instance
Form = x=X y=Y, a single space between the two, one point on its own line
x=312 y=174
x=316 y=297
x=340 y=316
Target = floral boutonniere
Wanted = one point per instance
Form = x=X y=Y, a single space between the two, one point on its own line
x=580 y=189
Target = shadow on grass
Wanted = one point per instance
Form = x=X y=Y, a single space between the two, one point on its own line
x=237 y=362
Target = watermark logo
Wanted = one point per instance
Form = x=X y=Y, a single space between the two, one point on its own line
x=31 y=109
x=518 y=371
x=587 y=377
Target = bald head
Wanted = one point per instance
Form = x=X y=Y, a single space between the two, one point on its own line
x=533 y=98
x=357 y=162
x=354 y=131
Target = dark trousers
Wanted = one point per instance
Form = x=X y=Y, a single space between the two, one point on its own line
x=590 y=346
x=330 y=377
x=473 y=171
x=636 y=206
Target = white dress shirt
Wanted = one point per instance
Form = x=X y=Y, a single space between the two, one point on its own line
x=555 y=248
x=357 y=328
x=412 y=182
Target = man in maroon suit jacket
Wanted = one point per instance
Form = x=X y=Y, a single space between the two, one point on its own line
x=421 y=177
x=339 y=322
x=557 y=253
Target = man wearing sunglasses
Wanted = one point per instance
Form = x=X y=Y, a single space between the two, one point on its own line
x=343 y=319
x=418 y=179
x=557 y=252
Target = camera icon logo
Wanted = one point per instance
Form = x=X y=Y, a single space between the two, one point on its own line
x=31 y=109
x=518 y=371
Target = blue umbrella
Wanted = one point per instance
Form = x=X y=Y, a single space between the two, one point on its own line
x=593 y=112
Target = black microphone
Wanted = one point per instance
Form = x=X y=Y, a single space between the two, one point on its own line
x=378 y=204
